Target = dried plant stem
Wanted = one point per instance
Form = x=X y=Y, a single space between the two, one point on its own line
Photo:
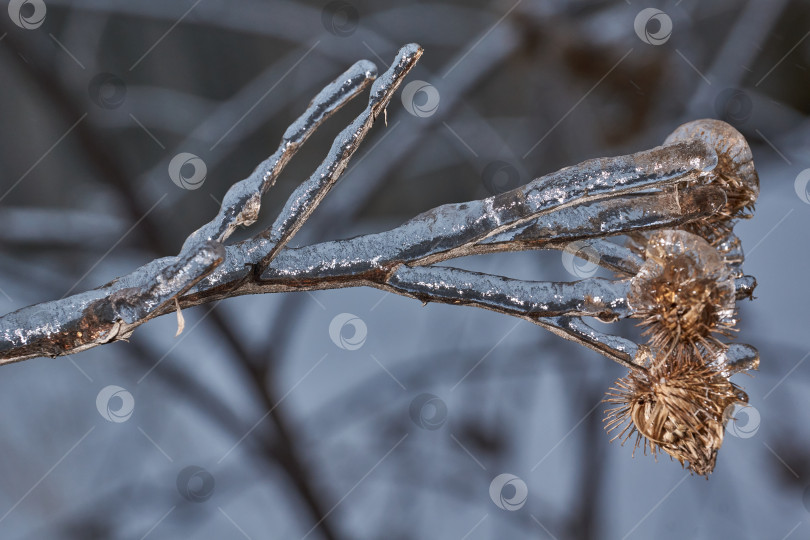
x=241 y=203
x=667 y=186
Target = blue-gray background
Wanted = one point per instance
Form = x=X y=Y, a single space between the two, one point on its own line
x=287 y=427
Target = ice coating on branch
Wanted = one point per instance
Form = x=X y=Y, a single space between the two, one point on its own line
x=730 y=248
x=131 y=306
x=636 y=211
x=684 y=292
x=736 y=358
x=667 y=186
x=377 y=252
x=594 y=297
x=242 y=202
x=306 y=197
x=331 y=98
x=591 y=180
x=98 y=316
x=619 y=349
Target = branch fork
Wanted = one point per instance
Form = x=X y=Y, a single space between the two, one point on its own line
x=687 y=183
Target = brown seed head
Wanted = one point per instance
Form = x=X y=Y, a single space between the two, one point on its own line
x=684 y=293
x=675 y=405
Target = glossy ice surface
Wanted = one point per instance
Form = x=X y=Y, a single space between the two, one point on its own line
x=669 y=186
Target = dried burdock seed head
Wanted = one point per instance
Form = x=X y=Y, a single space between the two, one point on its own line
x=676 y=405
x=734 y=172
x=684 y=293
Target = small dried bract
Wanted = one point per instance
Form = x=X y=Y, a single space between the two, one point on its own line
x=684 y=294
x=675 y=405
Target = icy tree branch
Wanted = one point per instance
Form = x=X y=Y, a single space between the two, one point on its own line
x=664 y=187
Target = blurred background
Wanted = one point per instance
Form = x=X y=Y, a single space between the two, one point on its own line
x=354 y=413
